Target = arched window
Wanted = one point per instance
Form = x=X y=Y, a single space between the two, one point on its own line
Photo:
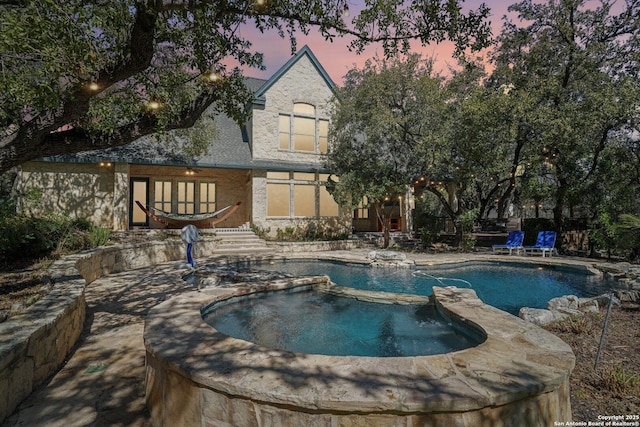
x=302 y=130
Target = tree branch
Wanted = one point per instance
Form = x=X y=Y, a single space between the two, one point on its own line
x=76 y=140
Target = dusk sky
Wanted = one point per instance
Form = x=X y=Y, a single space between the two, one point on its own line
x=336 y=58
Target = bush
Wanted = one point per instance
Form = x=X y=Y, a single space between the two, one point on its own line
x=467 y=221
x=28 y=237
x=315 y=230
x=25 y=237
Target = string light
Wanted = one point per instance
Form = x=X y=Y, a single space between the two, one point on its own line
x=214 y=76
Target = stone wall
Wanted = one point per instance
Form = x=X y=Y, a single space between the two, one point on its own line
x=334 y=245
x=35 y=343
x=82 y=190
x=301 y=83
x=196 y=377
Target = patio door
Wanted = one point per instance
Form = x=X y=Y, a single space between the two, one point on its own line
x=138 y=190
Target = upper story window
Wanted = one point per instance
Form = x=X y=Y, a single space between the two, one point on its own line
x=303 y=130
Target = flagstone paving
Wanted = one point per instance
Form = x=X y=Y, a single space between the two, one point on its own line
x=102 y=382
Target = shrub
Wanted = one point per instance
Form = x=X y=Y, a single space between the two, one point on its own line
x=261 y=232
x=25 y=237
x=617 y=380
x=467 y=220
x=99 y=236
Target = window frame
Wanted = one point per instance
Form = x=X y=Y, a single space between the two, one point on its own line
x=297 y=180
x=320 y=139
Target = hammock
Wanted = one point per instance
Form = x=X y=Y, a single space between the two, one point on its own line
x=203 y=220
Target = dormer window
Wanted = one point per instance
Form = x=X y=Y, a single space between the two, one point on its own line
x=302 y=130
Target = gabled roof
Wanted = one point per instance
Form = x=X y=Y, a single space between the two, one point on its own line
x=229 y=149
x=305 y=51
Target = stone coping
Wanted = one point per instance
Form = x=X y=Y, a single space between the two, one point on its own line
x=516 y=361
x=587 y=266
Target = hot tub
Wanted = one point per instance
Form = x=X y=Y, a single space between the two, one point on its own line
x=197 y=376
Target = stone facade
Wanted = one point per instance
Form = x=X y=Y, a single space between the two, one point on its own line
x=301 y=83
x=91 y=186
x=79 y=189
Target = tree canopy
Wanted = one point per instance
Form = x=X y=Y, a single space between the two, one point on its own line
x=379 y=126
x=81 y=75
x=556 y=120
x=579 y=64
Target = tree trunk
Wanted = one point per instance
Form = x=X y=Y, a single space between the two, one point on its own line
x=386 y=225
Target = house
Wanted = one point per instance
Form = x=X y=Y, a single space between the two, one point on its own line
x=272 y=166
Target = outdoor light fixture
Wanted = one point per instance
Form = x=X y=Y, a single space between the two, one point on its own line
x=94 y=86
x=153 y=105
x=190 y=171
x=214 y=76
x=104 y=164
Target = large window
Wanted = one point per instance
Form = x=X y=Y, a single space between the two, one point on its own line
x=303 y=130
x=207 y=197
x=162 y=195
x=278 y=199
x=186 y=197
x=299 y=194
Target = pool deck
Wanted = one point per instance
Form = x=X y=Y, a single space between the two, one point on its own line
x=102 y=381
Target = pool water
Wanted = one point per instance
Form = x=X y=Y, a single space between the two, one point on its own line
x=506 y=287
x=319 y=323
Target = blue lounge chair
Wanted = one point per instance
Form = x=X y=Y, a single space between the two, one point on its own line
x=545 y=243
x=514 y=241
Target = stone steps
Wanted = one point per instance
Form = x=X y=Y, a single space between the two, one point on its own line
x=240 y=241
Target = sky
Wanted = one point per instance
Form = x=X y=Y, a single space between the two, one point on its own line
x=337 y=59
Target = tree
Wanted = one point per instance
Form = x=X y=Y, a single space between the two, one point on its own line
x=382 y=116
x=580 y=65
x=82 y=75
x=481 y=151
x=484 y=150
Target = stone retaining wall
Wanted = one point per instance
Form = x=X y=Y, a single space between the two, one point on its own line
x=35 y=343
x=329 y=245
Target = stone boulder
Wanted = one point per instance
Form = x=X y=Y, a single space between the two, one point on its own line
x=567 y=304
x=386 y=256
x=387 y=259
x=540 y=316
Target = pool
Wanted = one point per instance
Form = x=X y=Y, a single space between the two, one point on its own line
x=508 y=287
x=324 y=323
